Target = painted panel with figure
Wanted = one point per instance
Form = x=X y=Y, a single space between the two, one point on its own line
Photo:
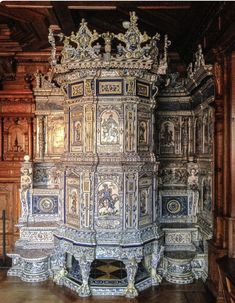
x=206 y=194
x=76 y=129
x=109 y=128
x=108 y=199
x=167 y=138
x=73 y=200
x=143 y=132
x=145 y=199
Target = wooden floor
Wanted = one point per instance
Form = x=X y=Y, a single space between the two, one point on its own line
x=12 y=290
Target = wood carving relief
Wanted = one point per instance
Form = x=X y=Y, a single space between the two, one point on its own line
x=16 y=138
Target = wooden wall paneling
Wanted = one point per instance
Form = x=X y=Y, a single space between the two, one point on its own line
x=1 y=138
x=9 y=202
x=213 y=275
x=223 y=242
x=16 y=118
x=16 y=138
x=16 y=212
x=219 y=151
x=231 y=193
x=217 y=246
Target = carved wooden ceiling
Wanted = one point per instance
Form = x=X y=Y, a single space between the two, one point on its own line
x=24 y=24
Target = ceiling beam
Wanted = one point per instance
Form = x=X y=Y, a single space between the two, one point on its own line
x=165 y=6
x=28 y=4
x=144 y=5
x=64 y=16
x=103 y=5
x=23 y=15
x=93 y=7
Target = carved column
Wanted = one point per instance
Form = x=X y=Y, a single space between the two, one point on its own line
x=89 y=133
x=85 y=266
x=184 y=136
x=41 y=141
x=58 y=265
x=131 y=270
x=30 y=123
x=190 y=136
x=156 y=258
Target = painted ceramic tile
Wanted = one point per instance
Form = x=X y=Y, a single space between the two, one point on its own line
x=77 y=132
x=142 y=90
x=144 y=196
x=105 y=87
x=206 y=195
x=109 y=128
x=174 y=206
x=76 y=90
x=108 y=199
x=45 y=205
x=167 y=138
x=143 y=132
x=73 y=202
x=55 y=126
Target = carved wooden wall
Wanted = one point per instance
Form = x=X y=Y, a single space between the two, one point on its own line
x=16 y=133
x=223 y=242
x=16 y=140
x=9 y=197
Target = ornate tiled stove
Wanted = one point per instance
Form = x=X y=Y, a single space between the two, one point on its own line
x=97 y=208
x=110 y=175
x=101 y=190
x=184 y=146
